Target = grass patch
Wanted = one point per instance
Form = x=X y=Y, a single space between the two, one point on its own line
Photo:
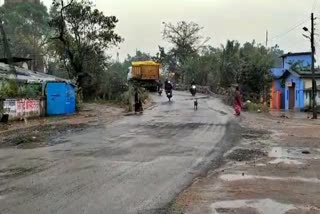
x=255 y=107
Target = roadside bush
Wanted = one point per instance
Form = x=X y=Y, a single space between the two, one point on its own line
x=255 y=107
x=79 y=99
x=30 y=90
x=13 y=89
x=9 y=88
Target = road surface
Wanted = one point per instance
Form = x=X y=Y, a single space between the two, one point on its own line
x=134 y=165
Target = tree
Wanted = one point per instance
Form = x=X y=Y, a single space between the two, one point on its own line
x=114 y=81
x=26 y=25
x=230 y=63
x=276 y=54
x=84 y=34
x=140 y=56
x=187 y=41
x=203 y=68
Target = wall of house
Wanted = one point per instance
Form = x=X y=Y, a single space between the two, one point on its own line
x=272 y=96
x=23 y=108
x=307 y=94
x=299 y=92
x=276 y=94
x=276 y=72
x=318 y=98
x=308 y=99
x=308 y=83
x=306 y=59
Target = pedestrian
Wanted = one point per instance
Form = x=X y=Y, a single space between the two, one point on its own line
x=237 y=102
x=137 y=101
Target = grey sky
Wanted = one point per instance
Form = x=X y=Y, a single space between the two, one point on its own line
x=242 y=20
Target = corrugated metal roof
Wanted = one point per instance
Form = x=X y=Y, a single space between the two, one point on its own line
x=15 y=59
x=296 y=54
x=299 y=74
x=28 y=75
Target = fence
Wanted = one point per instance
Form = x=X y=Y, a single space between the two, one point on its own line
x=23 y=108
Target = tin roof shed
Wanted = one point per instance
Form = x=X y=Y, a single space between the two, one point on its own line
x=25 y=75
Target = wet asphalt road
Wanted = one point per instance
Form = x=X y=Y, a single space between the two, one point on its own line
x=135 y=165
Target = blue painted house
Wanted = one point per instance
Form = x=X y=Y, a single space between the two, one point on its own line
x=290 y=88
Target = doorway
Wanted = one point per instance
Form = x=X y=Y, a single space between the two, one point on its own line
x=292 y=96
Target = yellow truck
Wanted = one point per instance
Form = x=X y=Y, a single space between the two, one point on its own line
x=145 y=73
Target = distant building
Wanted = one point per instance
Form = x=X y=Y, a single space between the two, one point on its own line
x=21 y=1
x=292 y=82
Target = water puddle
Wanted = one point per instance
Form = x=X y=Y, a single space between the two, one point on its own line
x=237 y=177
x=266 y=206
x=294 y=153
x=286 y=161
x=278 y=152
x=261 y=164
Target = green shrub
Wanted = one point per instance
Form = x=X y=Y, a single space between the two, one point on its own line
x=79 y=99
x=30 y=90
x=9 y=89
x=255 y=107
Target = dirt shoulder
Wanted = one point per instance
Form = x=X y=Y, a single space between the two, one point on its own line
x=43 y=131
x=275 y=169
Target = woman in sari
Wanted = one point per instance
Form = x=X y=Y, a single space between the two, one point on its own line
x=237 y=102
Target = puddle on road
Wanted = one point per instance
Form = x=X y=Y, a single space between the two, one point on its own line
x=286 y=161
x=294 y=153
x=47 y=135
x=266 y=206
x=238 y=177
x=261 y=164
x=278 y=152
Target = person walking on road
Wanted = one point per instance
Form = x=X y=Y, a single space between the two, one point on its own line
x=137 y=102
x=237 y=102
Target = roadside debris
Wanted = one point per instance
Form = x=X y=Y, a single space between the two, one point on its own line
x=306 y=152
x=284 y=116
x=246 y=154
x=31 y=133
x=49 y=135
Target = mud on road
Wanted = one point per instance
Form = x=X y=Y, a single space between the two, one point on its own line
x=50 y=131
x=40 y=136
x=136 y=164
x=274 y=169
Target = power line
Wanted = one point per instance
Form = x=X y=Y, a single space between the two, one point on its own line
x=290 y=29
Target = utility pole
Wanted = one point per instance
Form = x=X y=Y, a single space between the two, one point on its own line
x=267 y=39
x=314 y=86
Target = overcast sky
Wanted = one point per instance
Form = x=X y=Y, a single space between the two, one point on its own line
x=242 y=20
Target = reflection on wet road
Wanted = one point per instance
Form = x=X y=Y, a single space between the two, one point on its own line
x=135 y=164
